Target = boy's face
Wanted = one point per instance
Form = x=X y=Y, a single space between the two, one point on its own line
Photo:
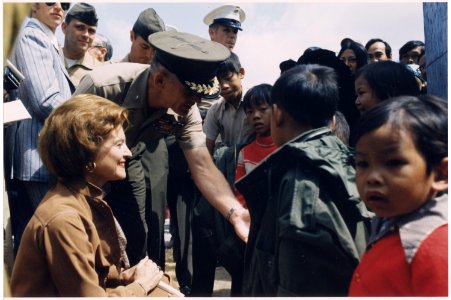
x=260 y=117
x=391 y=173
x=231 y=88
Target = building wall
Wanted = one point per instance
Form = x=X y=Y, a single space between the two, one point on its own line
x=436 y=40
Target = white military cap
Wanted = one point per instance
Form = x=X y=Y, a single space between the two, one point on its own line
x=171 y=28
x=228 y=15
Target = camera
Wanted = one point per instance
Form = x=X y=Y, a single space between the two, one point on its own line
x=11 y=77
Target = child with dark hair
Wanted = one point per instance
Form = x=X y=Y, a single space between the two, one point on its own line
x=308 y=225
x=258 y=110
x=345 y=80
x=402 y=176
x=230 y=65
x=340 y=127
x=226 y=118
x=376 y=82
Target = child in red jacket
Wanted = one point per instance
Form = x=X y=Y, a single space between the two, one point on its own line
x=258 y=112
x=402 y=176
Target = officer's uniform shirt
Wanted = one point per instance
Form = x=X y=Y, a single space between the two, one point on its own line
x=81 y=67
x=126 y=85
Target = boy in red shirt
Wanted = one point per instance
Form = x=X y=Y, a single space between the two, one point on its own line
x=258 y=112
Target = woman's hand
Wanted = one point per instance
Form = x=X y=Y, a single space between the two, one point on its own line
x=146 y=273
x=127 y=275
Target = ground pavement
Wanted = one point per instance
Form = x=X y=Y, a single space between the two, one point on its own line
x=222 y=283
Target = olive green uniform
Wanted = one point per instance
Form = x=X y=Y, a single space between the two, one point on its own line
x=127 y=85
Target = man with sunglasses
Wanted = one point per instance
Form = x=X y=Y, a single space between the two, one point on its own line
x=79 y=30
x=38 y=56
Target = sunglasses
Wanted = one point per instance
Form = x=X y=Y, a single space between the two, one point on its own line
x=64 y=5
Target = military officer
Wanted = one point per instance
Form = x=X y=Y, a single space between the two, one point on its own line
x=224 y=23
x=101 y=48
x=161 y=100
x=141 y=51
x=79 y=28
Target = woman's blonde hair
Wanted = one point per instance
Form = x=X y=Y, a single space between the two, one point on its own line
x=73 y=132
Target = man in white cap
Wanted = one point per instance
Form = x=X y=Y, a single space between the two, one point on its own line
x=224 y=23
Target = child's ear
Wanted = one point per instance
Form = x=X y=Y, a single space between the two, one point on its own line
x=333 y=123
x=277 y=115
x=241 y=73
x=440 y=183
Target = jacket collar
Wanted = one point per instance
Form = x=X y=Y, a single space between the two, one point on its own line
x=35 y=23
x=310 y=135
x=85 y=188
x=414 y=227
x=88 y=61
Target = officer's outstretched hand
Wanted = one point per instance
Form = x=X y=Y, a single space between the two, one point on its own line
x=241 y=221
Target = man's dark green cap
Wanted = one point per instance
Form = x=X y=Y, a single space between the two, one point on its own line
x=148 y=22
x=84 y=12
x=194 y=60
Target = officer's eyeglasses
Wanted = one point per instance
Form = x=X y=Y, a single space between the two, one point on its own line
x=64 y=5
x=96 y=46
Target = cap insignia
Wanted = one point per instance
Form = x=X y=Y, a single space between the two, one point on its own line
x=204 y=89
x=185 y=43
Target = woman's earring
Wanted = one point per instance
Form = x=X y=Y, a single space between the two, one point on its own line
x=90 y=167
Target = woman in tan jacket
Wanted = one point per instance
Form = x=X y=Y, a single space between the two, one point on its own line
x=73 y=245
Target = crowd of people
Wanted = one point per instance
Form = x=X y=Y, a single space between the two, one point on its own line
x=332 y=181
